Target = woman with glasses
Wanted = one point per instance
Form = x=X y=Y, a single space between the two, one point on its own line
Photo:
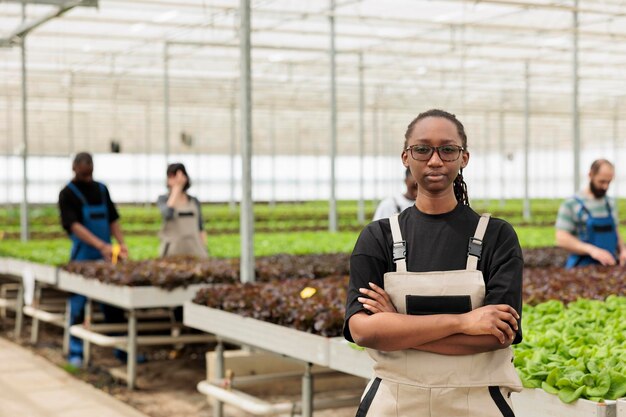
x=182 y=232
x=435 y=292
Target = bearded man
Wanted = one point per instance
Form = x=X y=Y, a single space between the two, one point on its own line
x=586 y=225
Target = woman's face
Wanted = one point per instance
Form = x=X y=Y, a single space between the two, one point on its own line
x=434 y=175
x=177 y=178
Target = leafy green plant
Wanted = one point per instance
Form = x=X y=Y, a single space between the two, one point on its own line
x=578 y=351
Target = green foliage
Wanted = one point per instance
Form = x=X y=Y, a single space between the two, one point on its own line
x=56 y=251
x=577 y=351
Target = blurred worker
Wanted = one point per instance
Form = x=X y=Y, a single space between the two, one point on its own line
x=393 y=205
x=587 y=223
x=90 y=218
x=182 y=232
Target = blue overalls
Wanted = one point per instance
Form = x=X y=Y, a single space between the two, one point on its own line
x=598 y=231
x=96 y=220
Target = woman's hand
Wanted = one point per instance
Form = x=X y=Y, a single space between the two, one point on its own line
x=377 y=300
x=498 y=320
x=123 y=251
x=180 y=180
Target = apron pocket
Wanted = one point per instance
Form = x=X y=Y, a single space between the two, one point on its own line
x=420 y=305
x=498 y=398
x=366 y=402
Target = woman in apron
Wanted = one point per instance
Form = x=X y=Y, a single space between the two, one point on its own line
x=182 y=232
x=435 y=292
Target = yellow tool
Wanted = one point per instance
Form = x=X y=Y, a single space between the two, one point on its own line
x=115 y=253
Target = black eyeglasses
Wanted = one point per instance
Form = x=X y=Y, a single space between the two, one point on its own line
x=447 y=153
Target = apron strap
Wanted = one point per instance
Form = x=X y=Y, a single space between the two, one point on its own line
x=399 y=244
x=475 y=246
x=77 y=193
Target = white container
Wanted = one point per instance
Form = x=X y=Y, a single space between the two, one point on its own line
x=538 y=403
x=47 y=274
x=260 y=334
x=621 y=407
x=125 y=296
x=345 y=358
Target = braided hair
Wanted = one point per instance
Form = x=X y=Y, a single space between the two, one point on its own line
x=460 y=187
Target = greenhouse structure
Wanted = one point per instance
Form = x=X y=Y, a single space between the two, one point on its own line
x=313 y=208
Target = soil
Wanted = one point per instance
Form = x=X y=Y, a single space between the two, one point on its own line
x=166 y=384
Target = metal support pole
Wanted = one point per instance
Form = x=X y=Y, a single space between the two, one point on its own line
x=246 y=214
x=375 y=153
x=87 y=323
x=166 y=102
x=66 y=328
x=34 y=327
x=298 y=156
x=487 y=133
x=614 y=148
x=24 y=226
x=70 y=114
x=9 y=148
x=527 y=213
x=575 y=112
x=273 y=152
x=332 y=212
x=233 y=138
x=148 y=148
x=307 y=392
x=131 y=357
x=19 y=311
x=502 y=150
x=218 y=407
x=361 y=208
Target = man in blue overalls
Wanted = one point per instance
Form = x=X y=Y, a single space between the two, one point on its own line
x=90 y=218
x=587 y=223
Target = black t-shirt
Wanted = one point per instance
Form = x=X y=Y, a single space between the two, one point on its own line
x=71 y=207
x=439 y=243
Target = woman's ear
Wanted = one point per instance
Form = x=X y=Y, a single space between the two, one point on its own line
x=464 y=159
x=405 y=159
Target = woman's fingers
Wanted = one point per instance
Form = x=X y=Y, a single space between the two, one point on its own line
x=505 y=328
x=380 y=291
x=370 y=304
x=376 y=298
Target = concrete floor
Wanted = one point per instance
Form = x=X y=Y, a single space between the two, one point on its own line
x=30 y=386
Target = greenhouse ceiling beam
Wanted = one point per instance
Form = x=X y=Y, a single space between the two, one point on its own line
x=378 y=76
x=389 y=52
x=15 y=38
x=324 y=13
x=377 y=67
x=476 y=86
x=504 y=29
x=543 y=6
x=87 y=3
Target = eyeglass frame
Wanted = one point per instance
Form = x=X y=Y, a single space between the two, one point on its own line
x=461 y=149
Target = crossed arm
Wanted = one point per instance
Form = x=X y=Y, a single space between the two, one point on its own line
x=484 y=329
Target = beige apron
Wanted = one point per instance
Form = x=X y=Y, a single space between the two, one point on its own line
x=415 y=383
x=180 y=234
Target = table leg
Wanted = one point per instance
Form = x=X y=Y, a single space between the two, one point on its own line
x=34 y=329
x=87 y=324
x=218 y=407
x=19 y=313
x=131 y=359
x=307 y=392
x=66 y=329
